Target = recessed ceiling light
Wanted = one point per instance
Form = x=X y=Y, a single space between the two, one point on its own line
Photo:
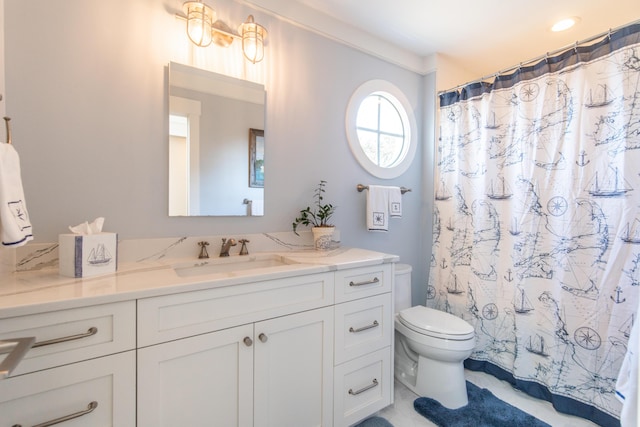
x=565 y=24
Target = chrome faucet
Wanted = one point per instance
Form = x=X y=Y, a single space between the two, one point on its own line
x=203 y=250
x=243 y=248
x=226 y=244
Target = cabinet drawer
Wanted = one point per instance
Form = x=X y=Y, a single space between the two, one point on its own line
x=362 y=387
x=170 y=317
x=47 y=395
x=363 y=282
x=68 y=336
x=362 y=326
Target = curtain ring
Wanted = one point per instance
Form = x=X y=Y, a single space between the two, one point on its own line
x=575 y=47
x=609 y=35
x=546 y=57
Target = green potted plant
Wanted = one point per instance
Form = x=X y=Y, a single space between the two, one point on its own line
x=318 y=218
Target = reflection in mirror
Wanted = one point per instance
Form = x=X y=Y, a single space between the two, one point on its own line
x=256 y=158
x=216 y=144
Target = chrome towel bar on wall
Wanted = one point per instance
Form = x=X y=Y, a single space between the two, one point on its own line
x=361 y=188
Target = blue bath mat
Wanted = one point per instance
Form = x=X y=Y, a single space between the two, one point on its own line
x=374 y=422
x=483 y=410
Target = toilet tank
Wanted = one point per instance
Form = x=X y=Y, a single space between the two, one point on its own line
x=402 y=287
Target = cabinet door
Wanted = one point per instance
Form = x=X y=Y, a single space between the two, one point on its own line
x=99 y=393
x=204 y=380
x=294 y=370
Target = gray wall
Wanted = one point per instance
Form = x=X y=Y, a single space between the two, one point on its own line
x=86 y=90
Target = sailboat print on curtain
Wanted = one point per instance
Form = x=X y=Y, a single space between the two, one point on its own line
x=611 y=184
x=499 y=190
x=540 y=250
x=521 y=303
x=631 y=233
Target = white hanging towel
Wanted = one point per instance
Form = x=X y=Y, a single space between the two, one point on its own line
x=627 y=384
x=377 y=208
x=395 y=202
x=383 y=202
x=257 y=208
x=15 y=226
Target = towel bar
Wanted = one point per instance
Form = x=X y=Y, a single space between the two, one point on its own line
x=361 y=188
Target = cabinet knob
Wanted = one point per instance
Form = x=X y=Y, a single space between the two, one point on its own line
x=248 y=341
x=263 y=337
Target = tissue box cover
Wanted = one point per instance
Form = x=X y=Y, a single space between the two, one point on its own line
x=83 y=255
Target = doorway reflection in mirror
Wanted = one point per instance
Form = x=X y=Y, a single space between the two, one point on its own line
x=210 y=118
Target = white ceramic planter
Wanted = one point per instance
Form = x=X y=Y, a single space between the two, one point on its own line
x=322 y=237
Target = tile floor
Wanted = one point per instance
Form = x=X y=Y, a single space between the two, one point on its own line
x=402 y=414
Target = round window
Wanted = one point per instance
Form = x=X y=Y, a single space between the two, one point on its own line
x=380 y=131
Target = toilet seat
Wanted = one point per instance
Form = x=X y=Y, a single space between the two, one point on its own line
x=436 y=323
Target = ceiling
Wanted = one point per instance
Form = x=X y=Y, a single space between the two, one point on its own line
x=481 y=37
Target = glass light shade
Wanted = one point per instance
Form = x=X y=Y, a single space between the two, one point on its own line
x=200 y=18
x=253 y=36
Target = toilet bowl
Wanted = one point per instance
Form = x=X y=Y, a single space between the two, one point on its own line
x=430 y=347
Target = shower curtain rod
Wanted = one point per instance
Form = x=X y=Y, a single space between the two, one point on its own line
x=541 y=57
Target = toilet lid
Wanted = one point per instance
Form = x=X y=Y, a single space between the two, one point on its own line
x=435 y=323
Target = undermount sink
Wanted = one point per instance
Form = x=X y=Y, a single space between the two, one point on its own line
x=233 y=264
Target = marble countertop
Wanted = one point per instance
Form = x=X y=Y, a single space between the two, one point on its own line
x=31 y=292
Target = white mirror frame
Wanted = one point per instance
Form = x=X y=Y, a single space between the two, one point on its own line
x=407 y=115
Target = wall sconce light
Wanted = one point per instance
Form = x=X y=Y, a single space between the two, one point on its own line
x=253 y=40
x=203 y=28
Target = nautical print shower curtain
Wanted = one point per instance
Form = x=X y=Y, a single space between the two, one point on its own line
x=537 y=221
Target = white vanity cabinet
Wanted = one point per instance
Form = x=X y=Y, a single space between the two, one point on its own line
x=267 y=359
x=81 y=368
x=363 y=382
x=307 y=346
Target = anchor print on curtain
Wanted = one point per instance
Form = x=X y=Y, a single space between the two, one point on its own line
x=537 y=221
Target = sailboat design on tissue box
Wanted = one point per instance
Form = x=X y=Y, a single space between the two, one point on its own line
x=87 y=255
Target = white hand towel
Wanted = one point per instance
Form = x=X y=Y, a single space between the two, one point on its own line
x=257 y=208
x=14 y=219
x=377 y=208
x=395 y=202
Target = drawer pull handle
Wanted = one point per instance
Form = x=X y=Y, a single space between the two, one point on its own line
x=364 y=328
x=263 y=337
x=366 y=282
x=92 y=331
x=90 y=408
x=247 y=341
x=363 y=389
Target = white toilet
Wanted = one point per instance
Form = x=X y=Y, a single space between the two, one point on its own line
x=430 y=347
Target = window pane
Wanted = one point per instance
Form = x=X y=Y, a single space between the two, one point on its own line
x=390 y=120
x=369 y=143
x=390 y=150
x=368 y=113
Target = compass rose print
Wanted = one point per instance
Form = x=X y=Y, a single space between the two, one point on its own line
x=529 y=92
x=557 y=205
x=490 y=311
x=587 y=338
x=431 y=292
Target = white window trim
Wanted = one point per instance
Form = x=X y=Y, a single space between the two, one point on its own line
x=366 y=89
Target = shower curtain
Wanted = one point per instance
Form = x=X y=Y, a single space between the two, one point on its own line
x=537 y=221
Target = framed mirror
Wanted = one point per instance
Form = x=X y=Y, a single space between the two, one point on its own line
x=216 y=141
